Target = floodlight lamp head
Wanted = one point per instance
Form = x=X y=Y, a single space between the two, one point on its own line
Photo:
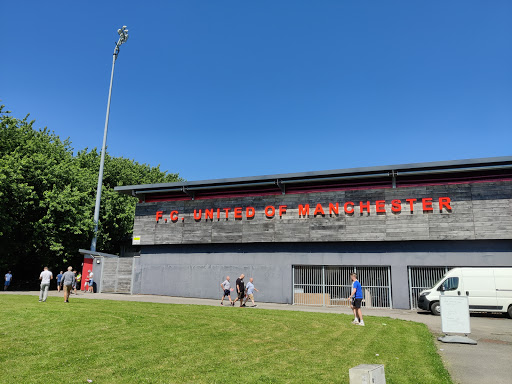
x=123 y=37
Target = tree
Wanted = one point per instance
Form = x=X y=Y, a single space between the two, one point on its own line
x=47 y=197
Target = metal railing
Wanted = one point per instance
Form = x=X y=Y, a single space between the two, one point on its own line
x=331 y=285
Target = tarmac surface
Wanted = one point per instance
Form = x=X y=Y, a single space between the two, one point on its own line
x=490 y=361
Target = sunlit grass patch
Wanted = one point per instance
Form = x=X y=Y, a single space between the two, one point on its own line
x=130 y=342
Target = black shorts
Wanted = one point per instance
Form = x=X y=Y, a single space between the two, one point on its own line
x=241 y=295
x=226 y=292
x=356 y=303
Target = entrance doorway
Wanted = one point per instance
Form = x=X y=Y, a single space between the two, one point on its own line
x=331 y=285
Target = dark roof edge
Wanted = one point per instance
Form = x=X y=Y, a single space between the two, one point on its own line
x=489 y=161
x=86 y=252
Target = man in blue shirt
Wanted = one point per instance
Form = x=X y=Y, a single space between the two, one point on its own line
x=250 y=291
x=8 y=279
x=59 y=278
x=357 y=298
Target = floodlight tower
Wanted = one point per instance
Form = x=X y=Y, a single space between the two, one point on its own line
x=123 y=37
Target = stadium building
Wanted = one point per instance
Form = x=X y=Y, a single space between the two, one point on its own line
x=400 y=227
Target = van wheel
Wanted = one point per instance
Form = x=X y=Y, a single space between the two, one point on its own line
x=509 y=311
x=435 y=308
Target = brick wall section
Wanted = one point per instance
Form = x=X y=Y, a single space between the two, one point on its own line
x=479 y=211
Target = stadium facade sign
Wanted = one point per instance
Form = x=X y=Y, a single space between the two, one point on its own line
x=307 y=210
x=299 y=235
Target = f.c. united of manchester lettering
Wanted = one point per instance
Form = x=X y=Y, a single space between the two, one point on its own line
x=303 y=211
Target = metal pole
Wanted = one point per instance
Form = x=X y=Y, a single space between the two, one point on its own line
x=323 y=285
x=411 y=302
x=293 y=284
x=102 y=162
x=390 y=286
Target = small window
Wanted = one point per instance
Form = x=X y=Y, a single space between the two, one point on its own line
x=451 y=284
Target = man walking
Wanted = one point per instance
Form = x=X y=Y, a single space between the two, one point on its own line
x=250 y=291
x=226 y=285
x=59 y=278
x=8 y=279
x=68 y=278
x=240 y=289
x=45 y=278
x=357 y=298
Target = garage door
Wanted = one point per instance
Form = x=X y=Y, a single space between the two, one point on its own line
x=421 y=278
x=331 y=285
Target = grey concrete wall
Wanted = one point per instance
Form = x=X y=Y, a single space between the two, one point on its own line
x=137 y=276
x=479 y=211
x=197 y=271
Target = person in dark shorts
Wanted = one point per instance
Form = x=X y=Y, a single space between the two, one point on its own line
x=8 y=280
x=357 y=298
x=59 y=278
x=226 y=286
x=240 y=289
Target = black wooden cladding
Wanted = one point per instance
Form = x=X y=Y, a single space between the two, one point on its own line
x=479 y=211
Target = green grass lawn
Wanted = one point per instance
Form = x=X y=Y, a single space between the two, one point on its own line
x=129 y=342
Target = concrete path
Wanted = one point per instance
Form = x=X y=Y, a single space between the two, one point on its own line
x=488 y=362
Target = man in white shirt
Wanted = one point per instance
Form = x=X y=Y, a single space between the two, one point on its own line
x=45 y=278
x=226 y=286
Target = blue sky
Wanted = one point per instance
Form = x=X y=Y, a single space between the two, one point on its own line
x=215 y=89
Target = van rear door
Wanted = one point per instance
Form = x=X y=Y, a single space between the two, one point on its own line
x=480 y=288
x=503 y=279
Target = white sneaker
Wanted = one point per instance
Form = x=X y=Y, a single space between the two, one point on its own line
x=355 y=322
x=361 y=323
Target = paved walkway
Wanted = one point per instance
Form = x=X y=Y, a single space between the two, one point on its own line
x=489 y=361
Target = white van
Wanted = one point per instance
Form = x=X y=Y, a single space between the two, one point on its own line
x=488 y=290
